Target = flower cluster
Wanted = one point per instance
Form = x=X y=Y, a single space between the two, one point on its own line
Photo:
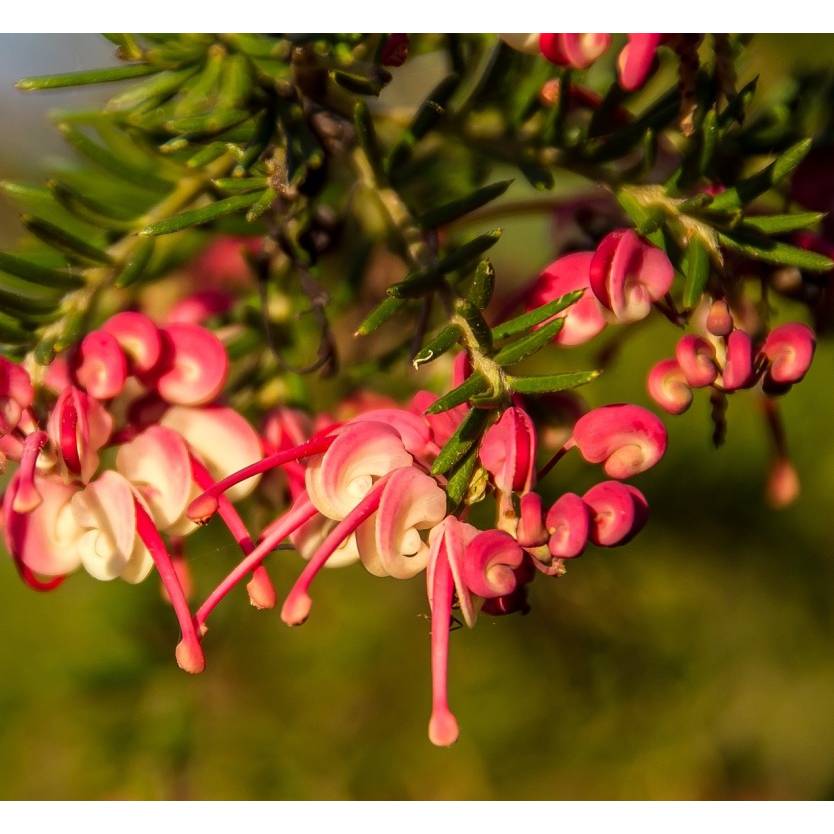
x=148 y=394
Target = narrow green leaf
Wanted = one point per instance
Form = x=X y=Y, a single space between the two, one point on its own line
x=236 y=83
x=441 y=215
x=45 y=276
x=428 y=114
x=471 y=387
x=774 y=251
x=367 y=139
x=136 y=263
x=551 y=382
x=73 y=247
x=467 y=434
x=110 y=162
x=202 y=215
x=360 y=84
x=207 y=155
x=45 y=351
x=748 y=189
x=696 y=270
x=775 y=224
x=94 y=76
x=240 y=185
x=528 y=345
x=86 y=208
x=483 y=285
x=425 y=280
x=25 y=297
x=11 y=331
x=207 y=124
x=380 y=314
x=525 y=321
x=447 y=338
x=262 y=205
x=162 y=85
x=457 y=486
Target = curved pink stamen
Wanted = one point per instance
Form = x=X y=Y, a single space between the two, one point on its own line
x=443 y=726
x=300 y=513
x=189 y=651
x=262 y=592
x=204 y=506
x=27 y=496
x=297 y=605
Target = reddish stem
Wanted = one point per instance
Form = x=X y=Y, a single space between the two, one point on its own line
x=189 y=652
x=300 y=513
x=297 y=605
x=569 y=444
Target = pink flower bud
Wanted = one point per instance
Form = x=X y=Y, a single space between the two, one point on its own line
x=636 y=60
x=668 y=387
x=573 y=50
x=100 y=365
x=696 y=358
x=394 y=51
x=782 y=483
x=790 y=349
x=489 y=564
x=719 y=319
x=193 y=366
x=738 y=366
x=16 y=394
x=138 y=337
x=78 y=427
x=626 y=439
x=618 y=512
x=531 y=531
x=508 y=451
x=584 y=319
x=568 y=522
x=627 y=275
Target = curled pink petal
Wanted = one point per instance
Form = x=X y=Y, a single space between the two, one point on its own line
x=442 y=426
x=627 y=275
x=138 y=337
x=584 y=319
x=618 y=512
x=508 y=451
x=738 y=366
x=626 y=439
x=156 y=462
x=789 y=348
x=412 y=428
x=568 y=522
x=668 y=387
x=696 y=358
x=491 y=558
x=42 y=541
x=100 y=365
x=636 y=60
x=390 y=543
x=27 y=496
x=361 y=452
x=193 y=367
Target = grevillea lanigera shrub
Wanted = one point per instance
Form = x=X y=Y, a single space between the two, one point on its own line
x=178 y=321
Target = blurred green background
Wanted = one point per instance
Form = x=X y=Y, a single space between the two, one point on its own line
x=697 y=662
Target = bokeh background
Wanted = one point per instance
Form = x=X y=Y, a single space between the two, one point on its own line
x=697 y=662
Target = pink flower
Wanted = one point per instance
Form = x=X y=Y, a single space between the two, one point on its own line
x=508 y=451
x=573 y=50
x=626 y=439
x=789 y=351
x=668 y=386
x=16 y=394
x=636 y=59
x=78 y=428
x=627 y=275
x=738 y=365
x=100 y=365
x=696 y=358
x=618 y=512
x=584 y=319
x=138 y=337
x=568 y=522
